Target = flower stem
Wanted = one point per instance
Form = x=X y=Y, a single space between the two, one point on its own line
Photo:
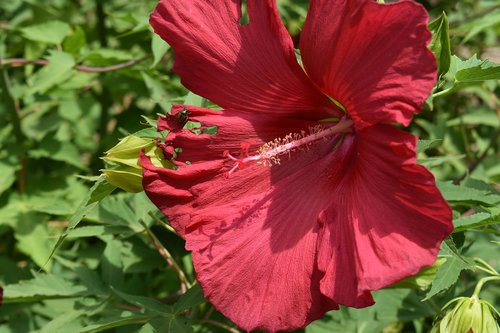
x=185 y=285
x=442 y=92
x=220 y=325
x=481 y=282
x=10 y=103
x=12 y=109
x=15 y=62
x=486 y=267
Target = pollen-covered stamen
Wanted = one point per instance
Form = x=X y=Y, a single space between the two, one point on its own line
x=269 y=153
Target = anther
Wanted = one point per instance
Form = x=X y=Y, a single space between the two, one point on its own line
x=269 y=153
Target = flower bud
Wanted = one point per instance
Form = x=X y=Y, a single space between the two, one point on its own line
x=123 y=168
x=470 y=315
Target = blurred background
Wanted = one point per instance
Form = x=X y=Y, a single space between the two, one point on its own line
x=78 y=75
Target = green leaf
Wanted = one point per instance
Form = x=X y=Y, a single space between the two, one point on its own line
x=470 y=72
x=438 y=160
x=75 y=42
x=476 y=116
x=107 y=57
x=167 y=324
x=484 y=70
x=116 y=319
x=424 y=145
x=65 y=323
x=446 y=276
x=449 y=272
x=42 y=286
x=474 y=221
x=464 y=193
x=58 y=151
x=57 y=71
x=146 y=303
x=391 y=305
x=473 y=70
x=8 y=169
x=474 y=27
x=33 y=237
x=50 y=32
x=112 y=264
x=440 y=43
x=159 y=47
x=193 y=297
x=99 y=191
x=195 y=100
x=157 y=92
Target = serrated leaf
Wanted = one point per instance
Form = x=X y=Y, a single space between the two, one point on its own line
x=99 y=191
x=57 y=71
x=465 y=193
x=391 y=305
x=440 y=43
x=146 y=303
x=49 y=32
x=42 y=286
x=449 y=248
x=191 y=298
x=122 y=318
x=484 y=71
x=446 y=276
x=473 y=221
x=473 y=70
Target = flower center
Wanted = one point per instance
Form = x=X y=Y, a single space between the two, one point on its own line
x=270 y=153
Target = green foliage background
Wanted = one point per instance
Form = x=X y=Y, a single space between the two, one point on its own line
x=119 y=267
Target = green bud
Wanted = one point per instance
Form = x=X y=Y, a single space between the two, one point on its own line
x=130 y=181
x=123 y=168
x=127 y=151
x=470 y=315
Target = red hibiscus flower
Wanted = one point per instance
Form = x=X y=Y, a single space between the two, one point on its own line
x=297 y=205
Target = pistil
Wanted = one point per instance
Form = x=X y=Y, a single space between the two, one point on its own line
x=269 y=153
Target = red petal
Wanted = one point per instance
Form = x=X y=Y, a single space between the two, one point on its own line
x=206 y=162
x=372 y=58
x=253 y=236
x=275 y=248
x=386 y=219
x=247 y=67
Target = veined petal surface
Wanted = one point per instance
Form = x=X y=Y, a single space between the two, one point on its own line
x=386 y=218
x=276 y=247
x=253 y=234
x=372 y=58
x=245 y=67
